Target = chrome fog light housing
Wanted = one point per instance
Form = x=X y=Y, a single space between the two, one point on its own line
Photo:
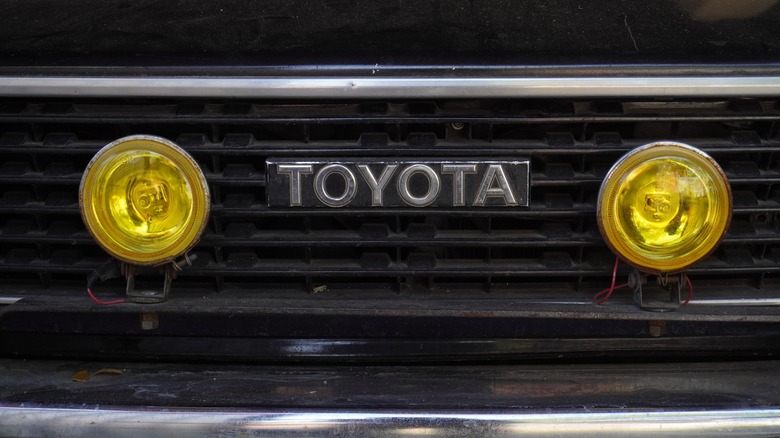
x=144 y=200
x=664 y=206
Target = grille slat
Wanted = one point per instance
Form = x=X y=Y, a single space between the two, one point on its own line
x=258 y=179
x=279 y=239
x=475 y=147
x=536 y=210
x=446 y=268
x=514 y=112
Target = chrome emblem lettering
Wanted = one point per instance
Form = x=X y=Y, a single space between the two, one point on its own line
x=398 y=183
x=458 y=172
x=350 y=184
x=295 y=171
x=495 y=173
x=377 y=186
x=405 y=190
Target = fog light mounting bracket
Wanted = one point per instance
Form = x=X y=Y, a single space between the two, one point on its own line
x=653 y=299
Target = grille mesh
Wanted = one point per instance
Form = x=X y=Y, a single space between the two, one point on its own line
x=553 y=246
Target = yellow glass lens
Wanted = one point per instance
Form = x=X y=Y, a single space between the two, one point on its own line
x=144 y=200
x=664 y=206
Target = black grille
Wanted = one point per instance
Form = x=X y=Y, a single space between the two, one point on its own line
x=551 y=248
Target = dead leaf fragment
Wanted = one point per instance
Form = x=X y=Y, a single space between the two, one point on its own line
x=319 y=289
x=109 y=371
x=81 y=376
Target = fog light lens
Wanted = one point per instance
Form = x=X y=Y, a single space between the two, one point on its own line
x=144 y=200
x=664 y=206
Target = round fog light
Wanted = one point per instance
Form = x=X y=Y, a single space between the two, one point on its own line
x=664 y=206
x=144 y=200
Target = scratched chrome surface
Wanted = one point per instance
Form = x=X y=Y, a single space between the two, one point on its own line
x=16 y=421
x=41 y=398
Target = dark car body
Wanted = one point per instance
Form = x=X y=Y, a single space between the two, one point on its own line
x=386 y=318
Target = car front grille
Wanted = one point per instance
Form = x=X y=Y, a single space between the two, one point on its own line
x=550 y=250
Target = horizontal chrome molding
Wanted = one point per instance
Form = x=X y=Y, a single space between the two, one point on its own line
x=738 y=302
x=26 y=421
x=391 y=87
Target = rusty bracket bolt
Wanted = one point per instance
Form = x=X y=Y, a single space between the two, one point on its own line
x=149 y=321
x=656 y=328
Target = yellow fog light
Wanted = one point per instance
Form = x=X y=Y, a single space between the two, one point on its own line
x=144 y=200
x=664 y=206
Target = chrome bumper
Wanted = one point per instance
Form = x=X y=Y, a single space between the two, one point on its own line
x=21 y=421
x=40 y=398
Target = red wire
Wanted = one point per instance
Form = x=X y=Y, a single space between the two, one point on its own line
x=603 y=296
x=607 y=293
x=101 y=302
x=690 y=291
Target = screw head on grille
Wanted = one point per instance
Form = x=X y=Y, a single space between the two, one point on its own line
x=664 y=206
x=144 y=200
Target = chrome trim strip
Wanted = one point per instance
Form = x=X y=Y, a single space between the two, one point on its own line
x=737 y=302
x=9 y=300
x=24 y=421
x=390 y=87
